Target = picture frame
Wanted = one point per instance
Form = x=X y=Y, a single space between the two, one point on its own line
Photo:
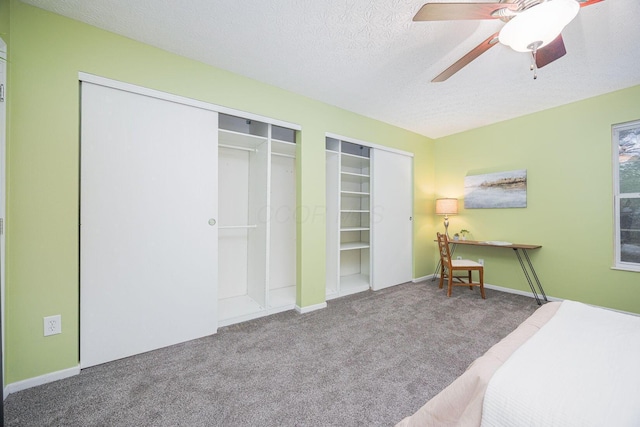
x=496 y=190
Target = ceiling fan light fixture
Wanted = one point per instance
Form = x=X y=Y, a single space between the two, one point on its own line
x=539 y=25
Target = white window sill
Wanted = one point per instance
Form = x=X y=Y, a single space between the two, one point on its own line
x=635 y=269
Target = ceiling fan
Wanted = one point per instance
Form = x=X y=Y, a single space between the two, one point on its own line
x=531 y=26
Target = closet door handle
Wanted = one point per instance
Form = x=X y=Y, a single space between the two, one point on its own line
x=212 y=222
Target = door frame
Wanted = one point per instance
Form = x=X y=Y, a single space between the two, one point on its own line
x=166 y=96
x=3 y=202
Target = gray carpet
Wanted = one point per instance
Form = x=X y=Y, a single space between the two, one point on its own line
x=367 y=359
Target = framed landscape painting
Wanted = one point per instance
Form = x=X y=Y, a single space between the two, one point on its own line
x=496 y=190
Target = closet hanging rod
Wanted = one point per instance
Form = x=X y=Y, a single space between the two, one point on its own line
x=225 y=227
x=235 y=147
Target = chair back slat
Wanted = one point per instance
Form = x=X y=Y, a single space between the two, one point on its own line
x=445 y=254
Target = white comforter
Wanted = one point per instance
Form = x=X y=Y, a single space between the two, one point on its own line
x=581 y=369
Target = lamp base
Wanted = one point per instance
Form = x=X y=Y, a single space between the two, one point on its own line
x=446 y=226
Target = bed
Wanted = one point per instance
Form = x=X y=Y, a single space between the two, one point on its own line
x=568 y=364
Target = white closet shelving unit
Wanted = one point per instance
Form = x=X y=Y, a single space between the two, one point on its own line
x=369 y=216
x=282 y=219
x=256 y=261
x=348 y=218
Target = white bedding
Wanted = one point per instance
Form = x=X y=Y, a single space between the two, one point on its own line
x=581 y=369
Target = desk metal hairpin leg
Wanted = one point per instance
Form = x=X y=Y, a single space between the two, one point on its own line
x=535 y=276
x=528 y=277
x=437 y=270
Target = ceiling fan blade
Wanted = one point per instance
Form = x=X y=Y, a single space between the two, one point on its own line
x=460 y=11
x=584 y=3
x=550 y=52
x=462 y=62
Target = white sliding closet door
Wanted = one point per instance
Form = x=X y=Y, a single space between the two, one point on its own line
x=148 y=254
x=392 y=211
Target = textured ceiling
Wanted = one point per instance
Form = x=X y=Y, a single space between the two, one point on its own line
x=370 y=58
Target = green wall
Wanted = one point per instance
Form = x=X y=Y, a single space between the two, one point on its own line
x=566 y=150
x=568 y=156
x=4 y=20
x=46 y=54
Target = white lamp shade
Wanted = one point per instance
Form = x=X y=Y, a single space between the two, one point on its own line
x=539 y=25
x=446 y=206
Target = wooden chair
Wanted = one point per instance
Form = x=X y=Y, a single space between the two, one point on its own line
x=449 y=266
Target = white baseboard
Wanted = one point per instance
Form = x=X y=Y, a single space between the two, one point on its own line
x=550 y=298
x=423 y=278
x=518 y=292
x=530 y=295
x=310 y=308
x=42 y=379
x=495 y=288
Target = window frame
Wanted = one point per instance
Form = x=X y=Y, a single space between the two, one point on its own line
x=617 y=196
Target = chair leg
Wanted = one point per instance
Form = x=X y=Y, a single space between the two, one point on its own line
x=481 y=271
x=450 y=283
x=441 y=277
x=470 y=280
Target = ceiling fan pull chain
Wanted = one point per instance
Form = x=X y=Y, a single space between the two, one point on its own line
x=533 y=66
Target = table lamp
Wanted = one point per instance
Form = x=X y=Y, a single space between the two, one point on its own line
x=446 y=207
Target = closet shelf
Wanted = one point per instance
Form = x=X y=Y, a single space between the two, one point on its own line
x=236 y=307
x=354 y=164
x=354 y=283
x=353 y=156
x=359 y=175
x=353 y=245
x=239 y=140
x=285 y=148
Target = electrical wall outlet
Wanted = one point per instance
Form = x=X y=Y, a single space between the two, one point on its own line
x=458 y=257
x=52 y=325
x=481 y=261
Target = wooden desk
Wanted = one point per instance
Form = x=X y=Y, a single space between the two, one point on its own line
x=520 y=251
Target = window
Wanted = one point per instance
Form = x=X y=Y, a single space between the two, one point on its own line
x=626 y=161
